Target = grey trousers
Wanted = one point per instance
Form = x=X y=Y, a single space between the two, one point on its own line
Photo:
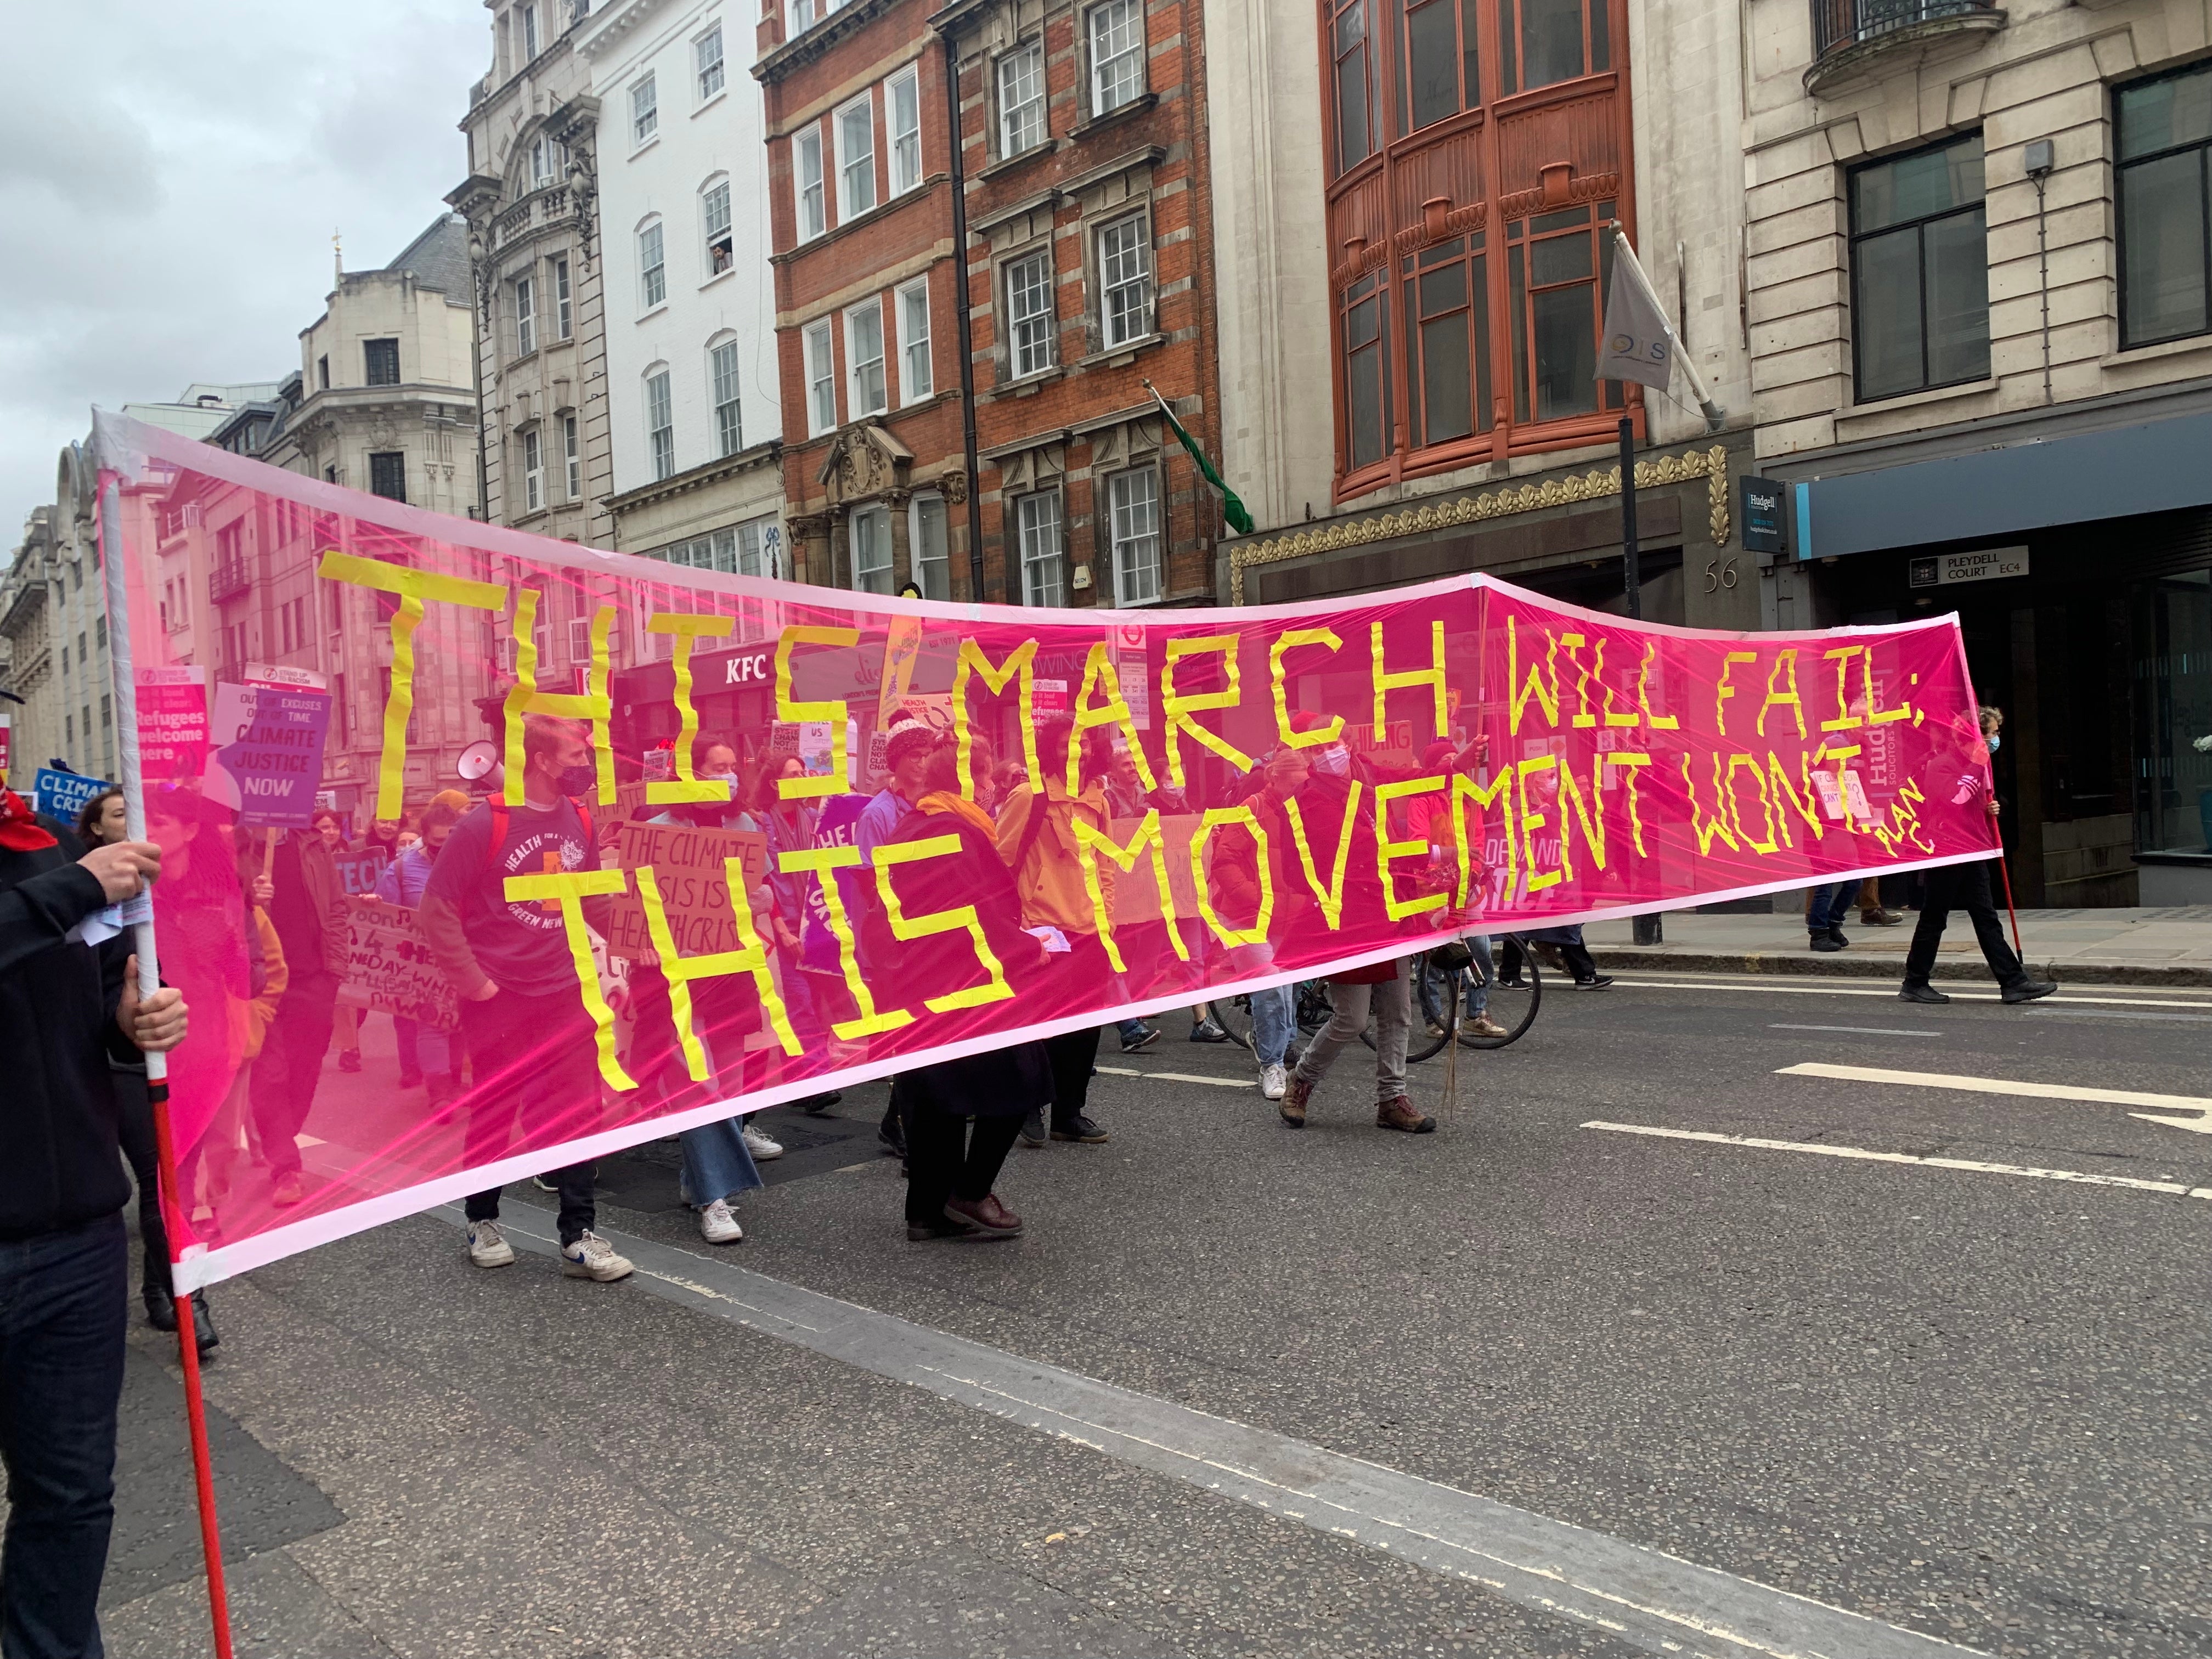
x=1392 y=1005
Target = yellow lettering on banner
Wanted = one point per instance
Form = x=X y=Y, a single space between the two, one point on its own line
x=1500 y=792
x=523 y=697
x=1089 y=842
x=1532 y=821
x=1612 y=717
x=831 y=709
x=1230 y=937
x=680 y=970
x=819 y=862
x=1708 y=828
x=1635 y=765
x=1178 y=707
x=1725 y=690
x=415 y=588
x=1432 y=677
x=569 y=889
x=1785 y=663
x=1593 y=826
x=1735 y=803
x=1843 y=794
x=1290 y=639
x=1573 y=643
x=908 y=928
x=1518 y=694
x=1877 y=715
x=1020 y=661
x=1845 y=721
x=1656 y=722
x=685 y=786
x=1387 y=850
x=1331 y=897
x=1805 y=802
x=1098 y=671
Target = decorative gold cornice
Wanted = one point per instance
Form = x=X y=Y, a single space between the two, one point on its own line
x=1711 y=465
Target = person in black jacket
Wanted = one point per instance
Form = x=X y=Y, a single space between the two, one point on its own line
x=66 y=1009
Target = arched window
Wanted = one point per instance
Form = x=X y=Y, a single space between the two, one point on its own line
x=714 y=223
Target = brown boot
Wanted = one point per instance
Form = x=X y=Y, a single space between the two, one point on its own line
x=989 y=1217
x=1292 y=1106
x=1399 y=1113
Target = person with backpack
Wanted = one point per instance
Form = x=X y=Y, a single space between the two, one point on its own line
x=532 y=1046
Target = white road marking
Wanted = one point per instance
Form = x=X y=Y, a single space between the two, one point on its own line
x=2117 y=1013
x=1180 y=1077
x=1866 y=1155
x=1759 y=983
x=1867 y=1030
x=2201 y=1124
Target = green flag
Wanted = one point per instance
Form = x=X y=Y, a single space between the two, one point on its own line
x=1232 y=508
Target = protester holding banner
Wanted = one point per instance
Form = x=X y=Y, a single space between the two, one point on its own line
x=67 y=1011
x=532 y=1045
x=1237 y=890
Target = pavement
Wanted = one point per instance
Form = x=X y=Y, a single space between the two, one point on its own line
x=2171 y=946
x=1721 y=1314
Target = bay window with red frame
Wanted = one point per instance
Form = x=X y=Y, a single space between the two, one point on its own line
x=1477 y=151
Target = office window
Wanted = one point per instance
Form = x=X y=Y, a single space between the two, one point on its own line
x=1030 y=321
x=573 y=453
x=1441 y=63
x=380 y=363
x=756 y=541
x=821 y=381
x=652 y=268
x=541 y=163
x=1037 y=522
x=579 y=641
x=564 y=313
x=865 y=393
x=1132 y=507
x=529 y=15
x=722 y=381
x=916 y=379
x=644 y=111
x=1552 y=41
x=660 y=423
x=1022 y=119
x=1920 y=292
x=534 y=471
x=706 y=54
x=1351 y=84
x=806 y=170
x=1125 y=280
x=323 y=374
x=804 y=15
x=526 y=315
x=387 y=475
x=1117 y=54
x=870 y=531
x=856 y=157
x=929 y=547
x=1557 y=266
x=902 y=118
x=1365 y=309
x=714 y=211
x=1447 y=298
x=2166 y=207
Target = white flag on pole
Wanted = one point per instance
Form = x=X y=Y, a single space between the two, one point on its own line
x=1638 y=344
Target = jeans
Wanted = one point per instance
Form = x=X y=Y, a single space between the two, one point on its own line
x=291 y=1065
x=1131 y=1030
x=1961 y=887
x=60 y=1377
x=535 y=1057
x=1478 y=990
x=423 y=1049
x=948 y=1157
x=1392 y=1005
x=717 y=1163
x=1273 y=1010
x=1829 y=906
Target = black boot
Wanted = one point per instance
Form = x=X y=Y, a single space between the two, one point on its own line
x=160 y=1308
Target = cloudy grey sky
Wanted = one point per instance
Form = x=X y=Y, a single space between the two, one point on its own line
x=170 y=176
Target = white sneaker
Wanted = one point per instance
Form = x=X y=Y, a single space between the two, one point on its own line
x=760 y=1145
x=1273 y=1082
x=717 y=1225
x=593 y=1257
x=488 y=1246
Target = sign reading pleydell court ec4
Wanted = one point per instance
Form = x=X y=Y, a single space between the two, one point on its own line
x=1983 y=564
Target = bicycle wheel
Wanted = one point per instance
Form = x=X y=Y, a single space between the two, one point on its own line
x=1433 y=996
x=1510 y=1003
x=1234 y=1016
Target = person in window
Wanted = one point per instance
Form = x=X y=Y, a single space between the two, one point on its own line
x=1959 y=773
x=532 y=1048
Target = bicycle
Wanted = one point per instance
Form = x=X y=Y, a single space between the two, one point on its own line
x=1438 y=994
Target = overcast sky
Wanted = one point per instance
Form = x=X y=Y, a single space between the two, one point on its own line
x=170 y=176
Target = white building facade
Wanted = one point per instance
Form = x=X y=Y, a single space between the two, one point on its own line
x=694 y=416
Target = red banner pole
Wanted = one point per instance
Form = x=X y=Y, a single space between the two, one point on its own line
x=2004 y=870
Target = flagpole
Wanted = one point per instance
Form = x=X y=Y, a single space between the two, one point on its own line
x=1713 y=412
x=144 y=944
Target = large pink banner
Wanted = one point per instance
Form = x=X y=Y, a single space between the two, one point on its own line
x=693 y=842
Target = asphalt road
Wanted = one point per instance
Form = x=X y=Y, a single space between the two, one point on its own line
x=1247 y=1390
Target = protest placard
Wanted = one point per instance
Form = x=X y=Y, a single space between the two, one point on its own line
x=268 y=758
x=688 y=868
x=173 y=722
x=63 y=794
x=389 y=966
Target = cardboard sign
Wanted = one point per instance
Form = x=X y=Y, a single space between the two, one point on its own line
x=687 y=866
x=63 y=794
x=172 y=723
x=268 y=758
x=358 y=873
x=390 y=966
x=1137 y=892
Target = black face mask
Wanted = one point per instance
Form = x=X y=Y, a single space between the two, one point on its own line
x=577 y=778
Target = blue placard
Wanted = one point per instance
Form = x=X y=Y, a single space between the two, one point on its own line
x=63 y=794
